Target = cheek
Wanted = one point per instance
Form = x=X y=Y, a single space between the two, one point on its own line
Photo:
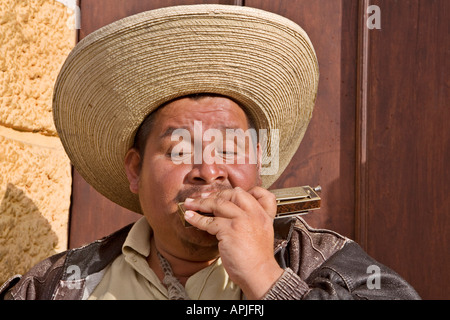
x=159 y=184
x=244 y=176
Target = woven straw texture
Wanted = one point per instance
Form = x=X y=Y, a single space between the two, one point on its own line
x=119 y=74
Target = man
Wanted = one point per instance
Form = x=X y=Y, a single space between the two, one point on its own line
x=144 y=108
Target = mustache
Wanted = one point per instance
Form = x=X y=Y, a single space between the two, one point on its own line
x=197 y=189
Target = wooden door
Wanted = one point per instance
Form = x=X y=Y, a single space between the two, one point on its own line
x=404 y=130
x=378 y=142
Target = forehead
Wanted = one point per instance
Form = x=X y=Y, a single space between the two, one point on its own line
x=213 y=112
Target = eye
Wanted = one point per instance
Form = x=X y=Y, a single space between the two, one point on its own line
x=179 y=151
x=227 y=154
x=179 y=157
x=176 y=154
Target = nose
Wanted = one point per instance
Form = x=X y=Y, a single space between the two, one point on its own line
x=205 y=173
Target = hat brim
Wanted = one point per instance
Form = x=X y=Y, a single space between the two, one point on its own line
x=119 y=74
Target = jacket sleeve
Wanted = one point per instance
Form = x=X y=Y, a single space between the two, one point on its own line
x=348 y=274
x=6 y=287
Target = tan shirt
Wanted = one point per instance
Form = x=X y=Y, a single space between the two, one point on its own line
x=130 y=277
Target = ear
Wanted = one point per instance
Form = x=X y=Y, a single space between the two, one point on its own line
x=133 y=168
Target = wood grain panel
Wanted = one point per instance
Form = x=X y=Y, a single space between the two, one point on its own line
x=94 y=216
x=327 y=153
x=98 y=13
x=408 y=143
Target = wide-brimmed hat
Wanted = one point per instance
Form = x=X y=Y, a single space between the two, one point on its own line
x=119 y=74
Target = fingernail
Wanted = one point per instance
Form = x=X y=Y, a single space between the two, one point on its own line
x=188 y=200
x=188 y=214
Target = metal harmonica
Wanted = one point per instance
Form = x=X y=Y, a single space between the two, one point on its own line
x=291 y=202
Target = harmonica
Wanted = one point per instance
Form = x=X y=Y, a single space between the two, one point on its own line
x=291 y=202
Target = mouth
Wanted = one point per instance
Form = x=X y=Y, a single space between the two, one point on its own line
x=197 y=194
x=181 y=210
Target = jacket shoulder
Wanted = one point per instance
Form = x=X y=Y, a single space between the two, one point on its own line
x=303 y=248
x=341 y=265
x=310 y=247
x=37 y=282
x=43 y=280
x=352 y=273
x=324 y=241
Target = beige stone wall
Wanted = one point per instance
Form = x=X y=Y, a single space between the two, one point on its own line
x=35 y=174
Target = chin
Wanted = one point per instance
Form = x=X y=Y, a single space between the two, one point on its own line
x=200 y=243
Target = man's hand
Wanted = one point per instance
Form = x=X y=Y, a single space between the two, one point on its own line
x=243 y=224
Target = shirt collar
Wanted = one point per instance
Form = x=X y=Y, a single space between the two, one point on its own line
x=138 y=238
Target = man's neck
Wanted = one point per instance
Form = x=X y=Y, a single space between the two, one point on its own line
x=182 y=268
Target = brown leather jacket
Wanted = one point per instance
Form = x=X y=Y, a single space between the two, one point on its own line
x=319 y=264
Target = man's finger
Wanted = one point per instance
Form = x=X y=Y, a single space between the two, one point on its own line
x=218 y=205
x=205 y=223
x=266 y=199
x=237 y=196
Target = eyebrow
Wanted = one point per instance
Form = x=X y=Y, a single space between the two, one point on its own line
x=169 y=131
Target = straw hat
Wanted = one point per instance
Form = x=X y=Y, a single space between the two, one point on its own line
x=120 y=73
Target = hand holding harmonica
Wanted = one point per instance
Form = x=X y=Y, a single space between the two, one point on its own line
x=290 y=202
